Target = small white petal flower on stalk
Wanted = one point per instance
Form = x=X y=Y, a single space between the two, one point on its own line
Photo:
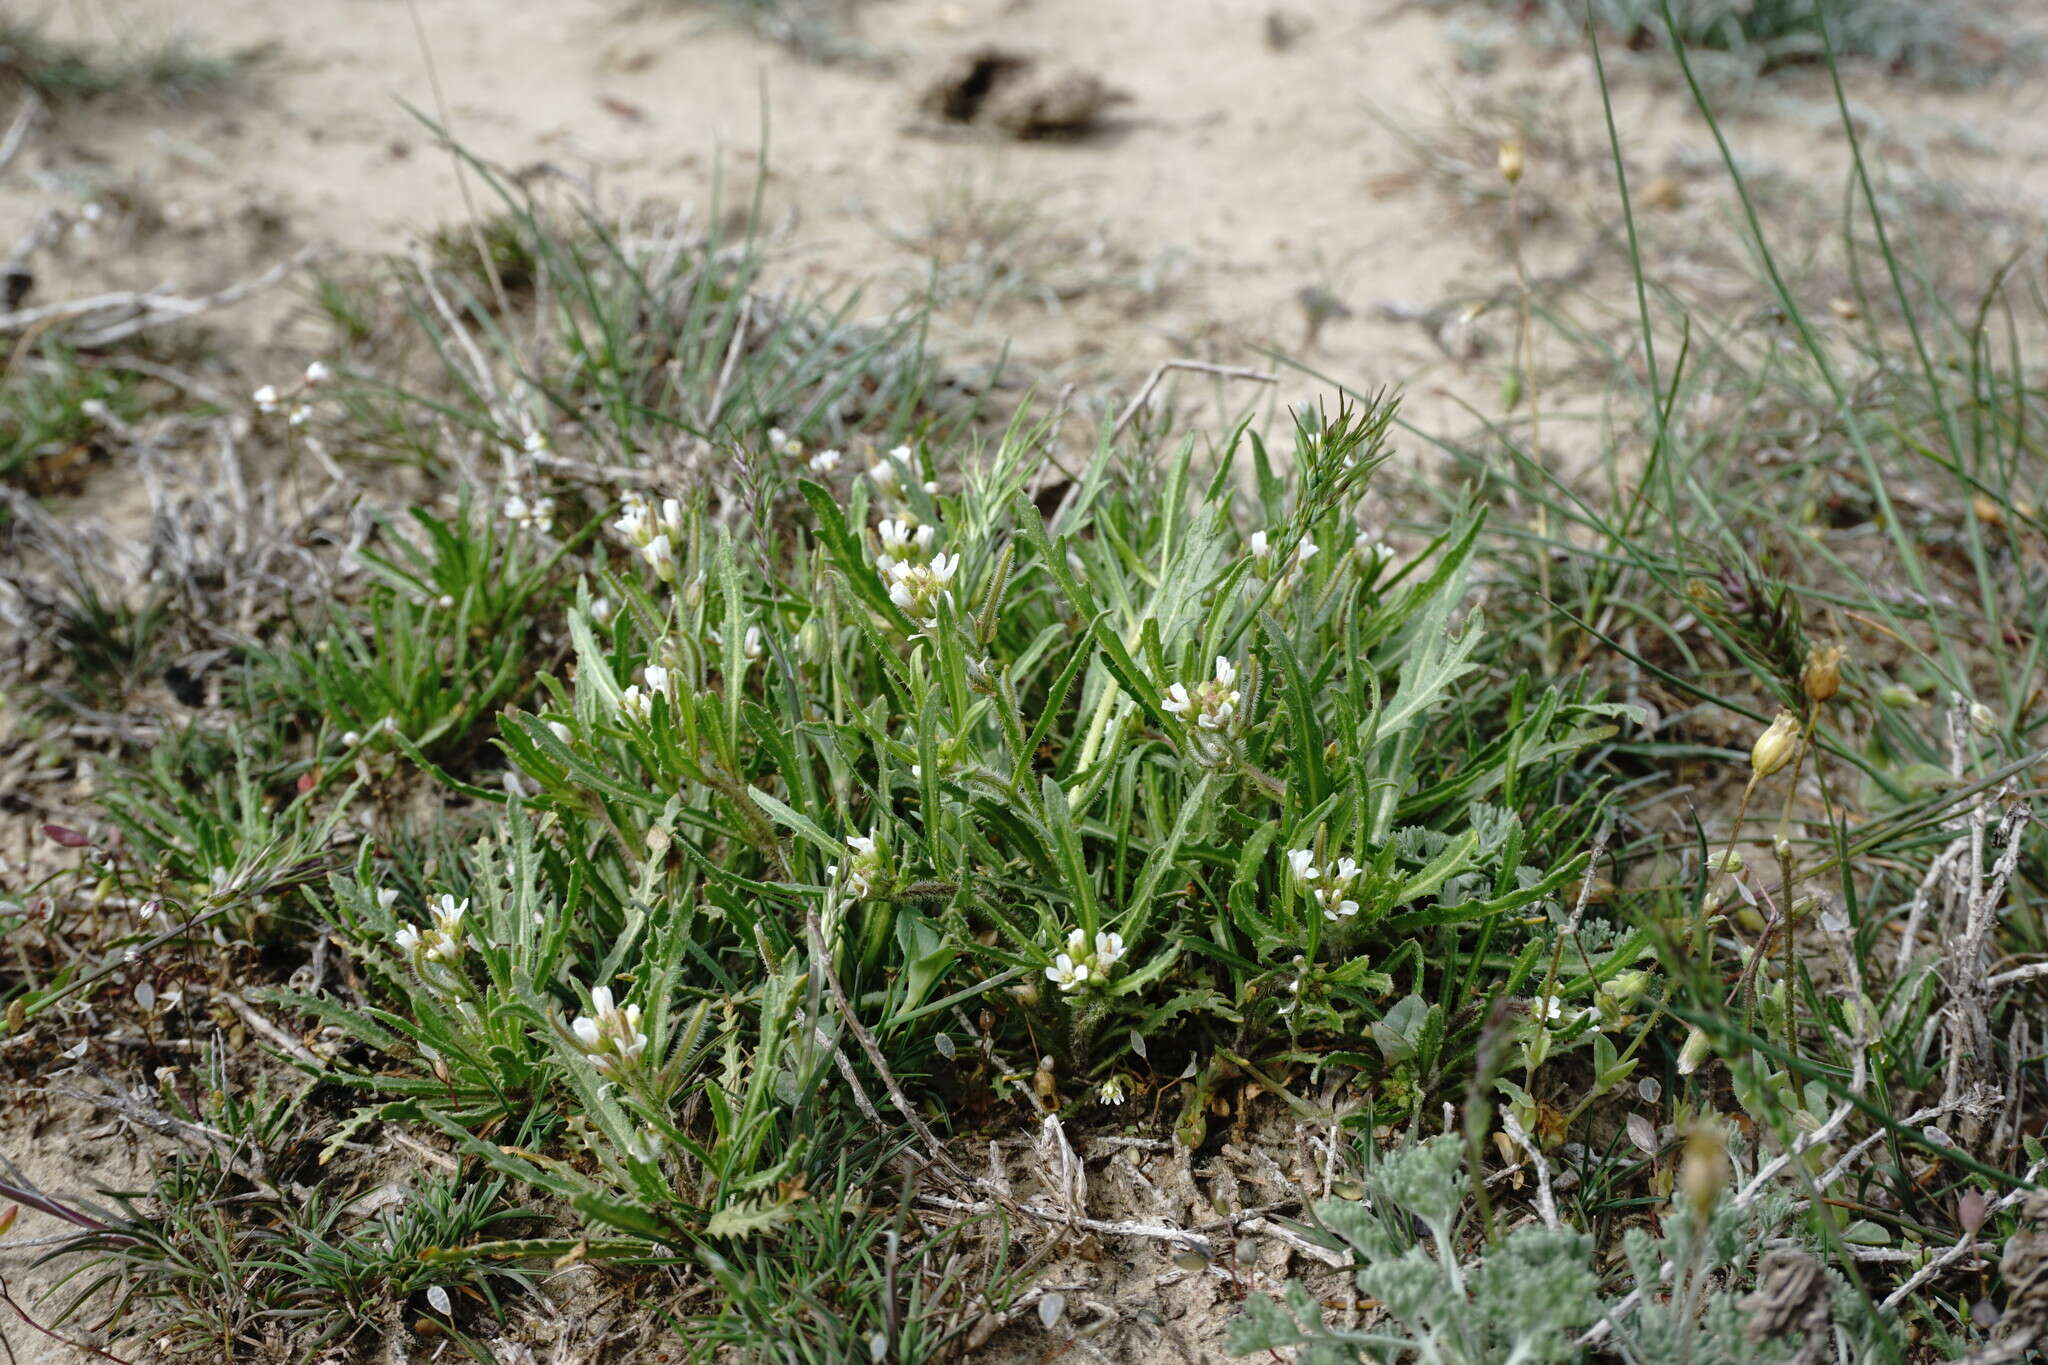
x=1345 y=908
x=1303 y=861
x=536 y=440
x=1109 y=950
x=636 y=521
x=660 y=554
x=1077 y=944
x=657 y=679
x=825 y=461
x=266 y=398
x=387 y=898
x=1176 y=699
x=635 y=705
x=1067 y=974
x=753 y=646
x=1547 y=1007
x=317 y=372
x=919 y=588
x=300 y=414
x=1110 y=1091
x=1258 y=545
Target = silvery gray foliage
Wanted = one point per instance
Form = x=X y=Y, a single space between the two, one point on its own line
x=1533 y=1297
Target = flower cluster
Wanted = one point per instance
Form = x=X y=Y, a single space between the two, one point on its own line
x=866 y=865
x=268 y=399
x=613 y=1039
x=656 y=539
x=440 y=943
x=531 y=514
x=902 y=543
x=637 y=704
x=919 y=588
x=1077 y=967
x=1331 y=887
x=1209 y=710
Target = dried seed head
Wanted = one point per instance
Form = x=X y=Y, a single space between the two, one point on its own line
x=1822 y=676
x=1775 y=746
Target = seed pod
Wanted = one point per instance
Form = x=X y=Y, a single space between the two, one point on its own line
x=1775 y=746
x=1822 y=676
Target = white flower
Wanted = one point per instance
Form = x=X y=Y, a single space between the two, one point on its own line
x=825 y=461
x=266 y=398
x=561 y=731
x=1344 y=908
x=660 y=555
x=1109 y=950
x=351 y=738
x=1370 y=548
x=658 y=679
x=1111 y=1091
x=1211 y=706
x=636 y=521
x=387 y=897
x=442 y=942
x=752 y=646
x=864 y=865
x=882 y=474
x=1547 y=1007
x=537 y=515
x=635 y=705
x=536 y=440
x=1258 y=545
x=1067 y=974
x=601 y=611
x=1330 y=887
x=317 y=372
x=1304 y=864
x=918 y=588
x=613 y=1038
x=782 y=443
x=300 y=414
x=902 y=543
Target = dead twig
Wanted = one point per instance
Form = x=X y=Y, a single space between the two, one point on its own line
x=132 y=311
x=1198 y=366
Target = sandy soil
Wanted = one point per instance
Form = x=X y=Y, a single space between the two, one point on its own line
x=1239 y=174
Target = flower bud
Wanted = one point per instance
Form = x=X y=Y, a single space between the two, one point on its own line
x=1775 y=746
x=1511 y=160
x=1822 y=676
x=1983 y=719
x=1703 y=1169
x=1899 y=697
x=1694 y=1051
